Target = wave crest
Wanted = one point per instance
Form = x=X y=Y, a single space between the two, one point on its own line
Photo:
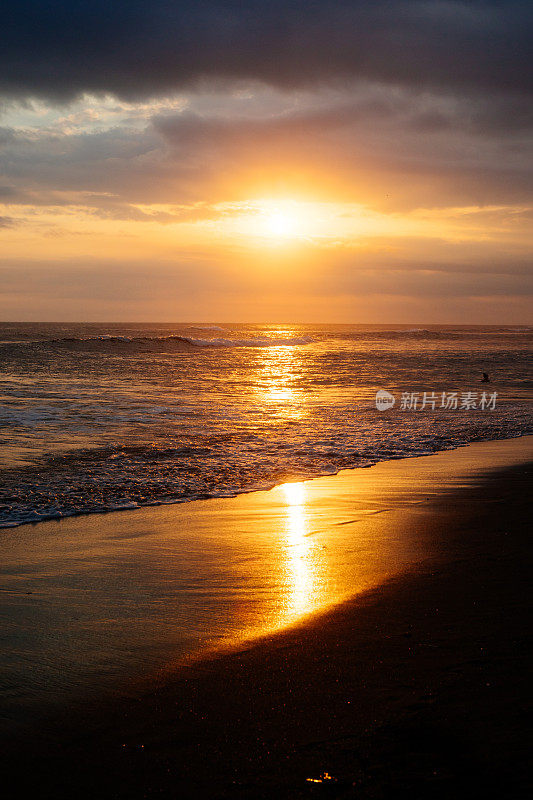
x=110 y=339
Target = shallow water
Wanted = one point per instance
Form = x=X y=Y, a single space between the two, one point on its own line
x=101 y=417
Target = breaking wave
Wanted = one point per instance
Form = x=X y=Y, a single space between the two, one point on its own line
x=256 y=341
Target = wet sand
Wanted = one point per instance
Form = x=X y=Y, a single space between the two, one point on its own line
x=419 y=686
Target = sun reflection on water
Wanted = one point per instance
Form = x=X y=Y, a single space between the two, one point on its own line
x=279 y=371
x=279 y=393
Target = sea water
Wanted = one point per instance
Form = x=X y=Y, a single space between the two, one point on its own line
x=96 y=418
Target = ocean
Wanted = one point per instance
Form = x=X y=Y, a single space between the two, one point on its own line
x=105 y=417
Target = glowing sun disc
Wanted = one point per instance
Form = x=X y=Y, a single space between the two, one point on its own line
x=279 y=224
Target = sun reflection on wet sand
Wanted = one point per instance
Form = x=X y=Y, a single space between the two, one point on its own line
x=302 y=555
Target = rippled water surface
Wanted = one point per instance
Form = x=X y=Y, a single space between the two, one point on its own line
x=101 y=417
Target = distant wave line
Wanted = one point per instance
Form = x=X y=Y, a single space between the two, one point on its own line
x=188 y=340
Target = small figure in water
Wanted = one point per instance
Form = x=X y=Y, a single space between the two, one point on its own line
x=485 y=378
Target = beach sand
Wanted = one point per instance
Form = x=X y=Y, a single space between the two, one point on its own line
x=417 y=686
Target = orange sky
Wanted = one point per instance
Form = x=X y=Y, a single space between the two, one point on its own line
x=354 y=199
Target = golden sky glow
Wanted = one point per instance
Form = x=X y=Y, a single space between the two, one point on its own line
x=240 y=205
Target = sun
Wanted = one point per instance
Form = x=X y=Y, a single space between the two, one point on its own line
x=281 y=224
x=284 y=222
x=280 y=220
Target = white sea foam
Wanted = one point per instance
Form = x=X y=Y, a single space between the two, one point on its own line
x=255 y=342
x=205 y=327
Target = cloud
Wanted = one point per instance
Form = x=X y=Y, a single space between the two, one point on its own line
x=117 y=161
x=184 y=112
x=421 y=269
x=348 y=286
x=390 y=148
x=135 y=48
x=8 y=192
x=385 y=147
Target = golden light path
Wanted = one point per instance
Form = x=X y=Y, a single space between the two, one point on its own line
x=278 y=370
x=300 y=564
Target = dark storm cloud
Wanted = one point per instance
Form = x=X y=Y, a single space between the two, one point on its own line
x=140 y=48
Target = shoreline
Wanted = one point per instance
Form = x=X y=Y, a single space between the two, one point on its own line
x=263 y=488
x=415 y=687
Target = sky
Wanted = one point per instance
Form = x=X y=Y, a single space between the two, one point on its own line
x=354 y=162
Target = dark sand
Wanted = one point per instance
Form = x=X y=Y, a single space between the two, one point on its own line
x=418 y=689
